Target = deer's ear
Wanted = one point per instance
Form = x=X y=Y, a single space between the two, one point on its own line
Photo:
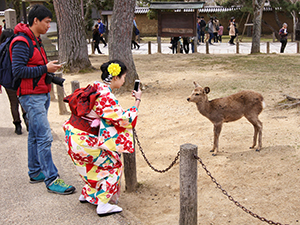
x=196 y=84
x=206 y=90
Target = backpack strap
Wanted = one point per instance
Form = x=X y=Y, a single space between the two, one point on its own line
x=25 y=38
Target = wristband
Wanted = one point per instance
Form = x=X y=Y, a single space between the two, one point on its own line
x=137 y=99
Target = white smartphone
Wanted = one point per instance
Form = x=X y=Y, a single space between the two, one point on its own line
x=136 y=85
x=63 y=63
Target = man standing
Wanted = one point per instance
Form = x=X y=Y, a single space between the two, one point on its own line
x=202 y=28
x=101 y=31
x=31 y=69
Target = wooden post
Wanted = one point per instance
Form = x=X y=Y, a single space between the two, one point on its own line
x=158 y=44
x=298 y=50
x=75 y=85
x=178 y=47
x=52 y=95
x=130 y=172
x=93 y=47
x=149 y=47
x=207 y=48
x=196 y=44
x=237 y=47
x=273 y=34
x=188 y=185
x=60 y=97
x=268 y=47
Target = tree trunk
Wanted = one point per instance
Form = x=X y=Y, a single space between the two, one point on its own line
x=72 y=45
x=258 y=6
x=295 y=21
x=120 y=36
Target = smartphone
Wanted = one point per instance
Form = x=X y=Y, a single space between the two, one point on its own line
x=63 y=63
x=136 y=85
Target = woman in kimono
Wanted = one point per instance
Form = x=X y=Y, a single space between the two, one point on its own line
x=98 y=131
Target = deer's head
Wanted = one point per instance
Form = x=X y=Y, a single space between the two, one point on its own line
x=199 y=94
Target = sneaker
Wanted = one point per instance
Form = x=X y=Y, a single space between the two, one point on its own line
x=38 y=179
x=60 y=187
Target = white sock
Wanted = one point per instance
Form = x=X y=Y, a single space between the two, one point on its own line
x=108 y=208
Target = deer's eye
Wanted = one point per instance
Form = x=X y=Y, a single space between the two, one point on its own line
x=197 y=94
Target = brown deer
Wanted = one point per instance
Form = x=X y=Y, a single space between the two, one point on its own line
x=231 y=108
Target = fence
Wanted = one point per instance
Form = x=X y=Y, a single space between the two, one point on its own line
x=222 y=48
x=188 y=173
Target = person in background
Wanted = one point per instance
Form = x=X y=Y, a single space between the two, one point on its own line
x=134 y=44
x=186 y=43
x=12 y=94
x=96 y=38
x=174 y=42
x=101 y=32
x=210 y=30
x=232 y=30
x=192 y=40
x=220 y=33
x=283 y=37
x=202 y=29
x=198 y=30
x=98 y=131
x=216 y=28
x=4 y=24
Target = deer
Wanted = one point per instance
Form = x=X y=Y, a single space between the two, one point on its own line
x=245 y=103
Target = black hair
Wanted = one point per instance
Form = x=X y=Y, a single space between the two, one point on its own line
x=3 y=21
x=104 y=68
x=38 y=11
x=6 y=34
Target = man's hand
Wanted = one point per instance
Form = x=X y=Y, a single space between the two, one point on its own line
x=52 y=67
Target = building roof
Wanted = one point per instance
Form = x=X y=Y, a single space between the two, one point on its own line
x=176 y=5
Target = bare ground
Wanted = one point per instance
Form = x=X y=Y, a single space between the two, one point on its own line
x=265 y=182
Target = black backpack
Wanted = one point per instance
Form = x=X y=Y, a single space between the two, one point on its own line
x=6 y=77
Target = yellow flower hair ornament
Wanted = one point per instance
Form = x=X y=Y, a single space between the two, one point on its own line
x=114 y=69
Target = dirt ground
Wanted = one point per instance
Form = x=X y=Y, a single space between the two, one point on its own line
x=265 y=182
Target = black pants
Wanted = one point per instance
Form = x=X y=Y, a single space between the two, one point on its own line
x=216 y=39
x=97 y=47
x=232 y=39
x=103 y=41
x=186 y=47
x=134 y=44
x=14 y=105
x=283 y=44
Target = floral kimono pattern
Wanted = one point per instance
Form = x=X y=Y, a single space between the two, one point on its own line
x=97 y=157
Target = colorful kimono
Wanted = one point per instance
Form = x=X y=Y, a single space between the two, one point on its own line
x=96 y=152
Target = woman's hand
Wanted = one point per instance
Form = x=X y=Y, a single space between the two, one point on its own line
x=137 y=95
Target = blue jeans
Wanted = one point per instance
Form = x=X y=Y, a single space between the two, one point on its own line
x=39 y=137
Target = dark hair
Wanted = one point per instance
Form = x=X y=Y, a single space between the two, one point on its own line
x=6 y=34
x=38 y=11
x=3 y=21
x=104 y=68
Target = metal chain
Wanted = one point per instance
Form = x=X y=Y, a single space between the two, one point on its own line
x=232 y=199
x=147 y=161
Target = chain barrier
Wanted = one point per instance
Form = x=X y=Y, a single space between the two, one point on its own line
x=147 y=161
x=232 y=199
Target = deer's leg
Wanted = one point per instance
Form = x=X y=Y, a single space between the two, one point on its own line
x=217 y=131
x=257 y=124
